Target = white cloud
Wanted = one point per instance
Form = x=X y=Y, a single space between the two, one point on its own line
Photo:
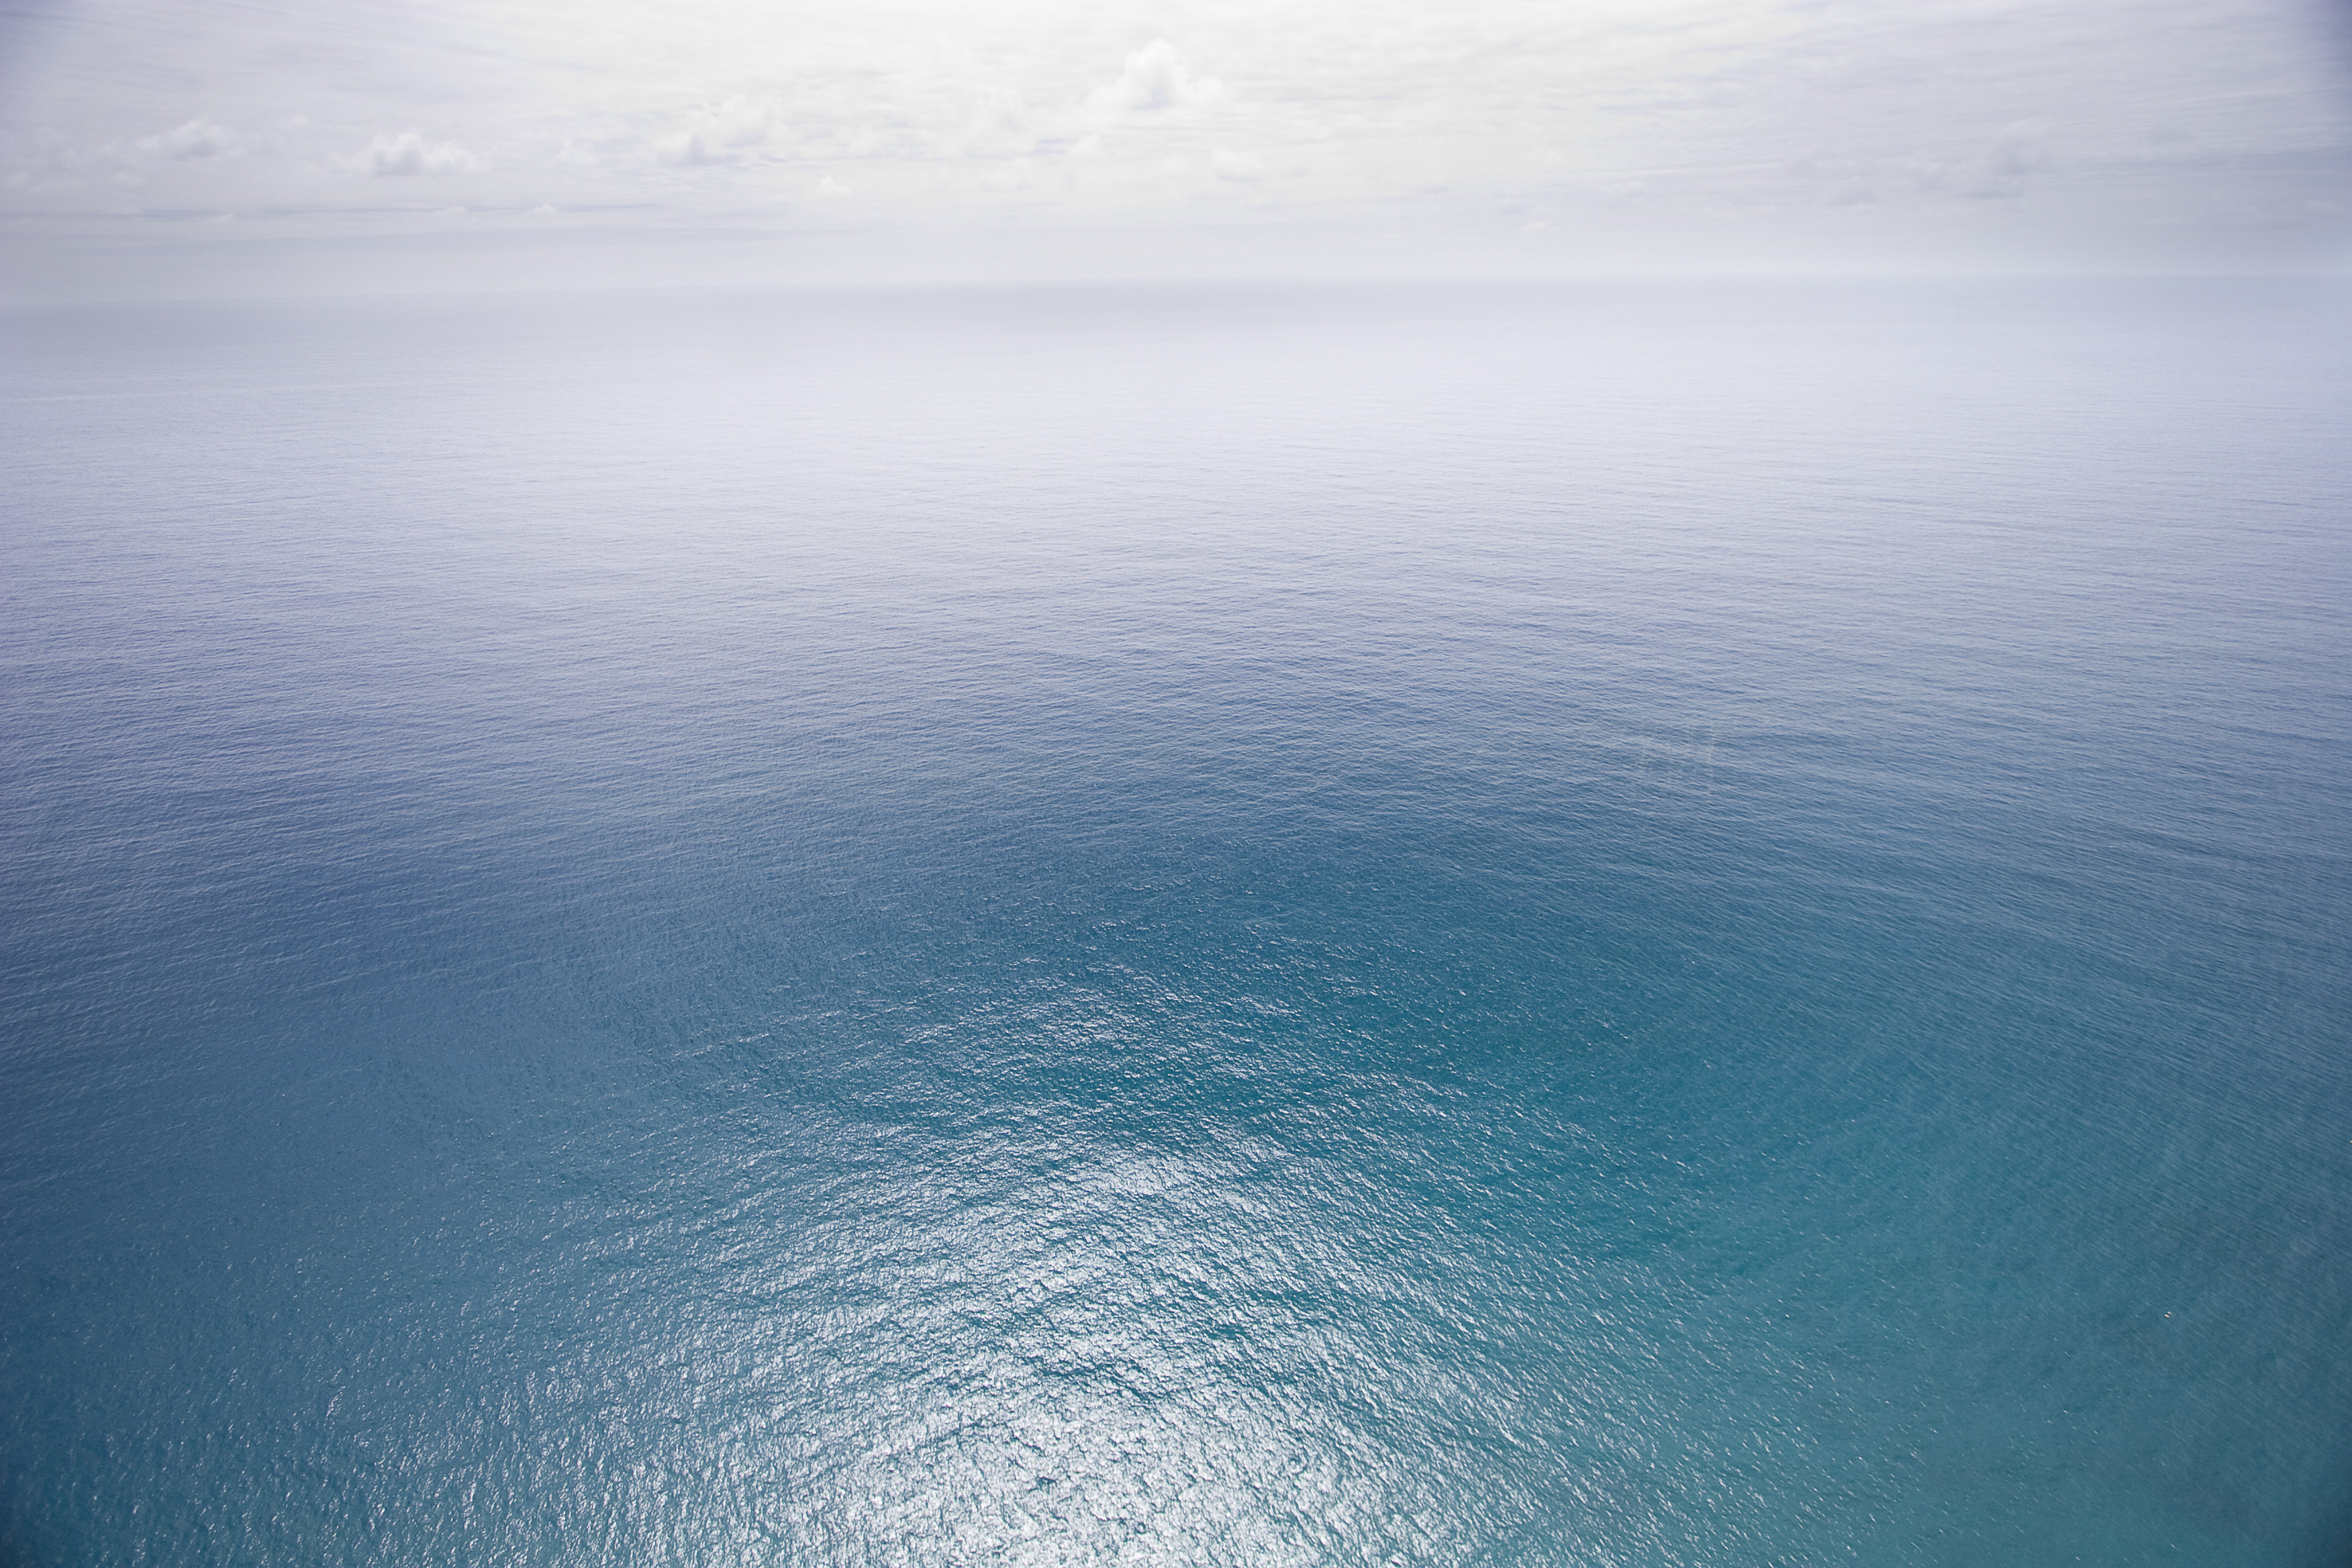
x=1001 y=126
x=199 y=138
x=1684 y=121
x=410 y=154
x=1997 y=169
x=729 y=132
x=43 y=162
x=2001 y=170
x=1155 y=79
x=1227 y=164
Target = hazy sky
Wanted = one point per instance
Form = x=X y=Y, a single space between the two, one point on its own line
x=239 y=145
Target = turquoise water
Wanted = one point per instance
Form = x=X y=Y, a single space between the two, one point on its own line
x=1617 y=924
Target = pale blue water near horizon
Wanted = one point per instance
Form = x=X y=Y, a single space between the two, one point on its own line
x=1617 y=924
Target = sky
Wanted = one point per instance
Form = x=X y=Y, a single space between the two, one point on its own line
x=164 y=149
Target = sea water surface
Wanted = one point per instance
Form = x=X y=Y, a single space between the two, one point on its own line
x=1595 y=923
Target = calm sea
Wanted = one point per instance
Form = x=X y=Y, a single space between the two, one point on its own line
x=1594 y=924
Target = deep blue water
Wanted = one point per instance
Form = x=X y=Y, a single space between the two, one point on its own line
x=1616 y=924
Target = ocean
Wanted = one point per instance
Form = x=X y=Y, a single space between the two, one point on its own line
x=1602 y=922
